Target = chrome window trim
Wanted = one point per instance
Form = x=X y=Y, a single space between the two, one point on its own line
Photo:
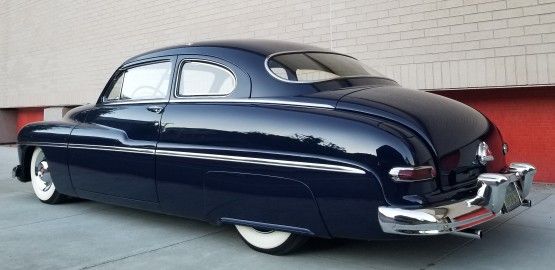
x=105 y=101
x=175 y=93
x=142 y=101
x=312 y=81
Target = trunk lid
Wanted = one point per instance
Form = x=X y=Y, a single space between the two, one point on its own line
x=451 y=129
x=447 y=125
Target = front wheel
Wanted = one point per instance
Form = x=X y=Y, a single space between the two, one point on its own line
x=41 y=179
x=271 y=242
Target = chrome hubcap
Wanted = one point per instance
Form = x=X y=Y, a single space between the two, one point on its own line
x=41 y=170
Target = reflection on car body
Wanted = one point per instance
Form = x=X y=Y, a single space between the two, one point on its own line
x=283 y=140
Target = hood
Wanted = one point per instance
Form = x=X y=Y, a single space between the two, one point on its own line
x=445 y=124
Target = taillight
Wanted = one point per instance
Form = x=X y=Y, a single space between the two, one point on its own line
x=409 y=174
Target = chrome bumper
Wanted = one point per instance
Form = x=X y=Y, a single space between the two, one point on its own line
x=488 y=203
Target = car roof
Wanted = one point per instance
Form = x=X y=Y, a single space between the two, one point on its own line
x=258 y=46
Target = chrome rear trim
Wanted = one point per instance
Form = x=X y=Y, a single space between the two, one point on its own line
x=488 y=203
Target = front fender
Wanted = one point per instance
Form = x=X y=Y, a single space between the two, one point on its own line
x=52 y=138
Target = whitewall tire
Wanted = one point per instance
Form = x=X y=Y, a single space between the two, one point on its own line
x=41 y=179
x=271 y=242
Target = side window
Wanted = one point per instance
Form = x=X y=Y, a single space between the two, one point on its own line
x=143 y=82
x=204 y=79
x=115 y=93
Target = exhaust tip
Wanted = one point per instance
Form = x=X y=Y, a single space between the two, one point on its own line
x=470 y=233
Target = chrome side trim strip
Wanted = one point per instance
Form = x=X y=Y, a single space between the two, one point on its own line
x=216 y=157
x=44 y=144
x=113 y=148
x=222 y=99
x=263 y=161
x=253 y=101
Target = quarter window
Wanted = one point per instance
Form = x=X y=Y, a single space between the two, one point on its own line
x=204 y=79
x=142 y=82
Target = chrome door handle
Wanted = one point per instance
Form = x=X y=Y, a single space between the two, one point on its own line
x=155 y=109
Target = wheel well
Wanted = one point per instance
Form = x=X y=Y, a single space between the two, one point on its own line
x=27 y=155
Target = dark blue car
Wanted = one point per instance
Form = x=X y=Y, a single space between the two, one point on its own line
x=284 y=141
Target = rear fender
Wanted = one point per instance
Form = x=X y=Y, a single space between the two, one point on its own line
x=241 y=198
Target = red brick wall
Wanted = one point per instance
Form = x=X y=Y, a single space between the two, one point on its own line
x=29 y=115
x=526 y=118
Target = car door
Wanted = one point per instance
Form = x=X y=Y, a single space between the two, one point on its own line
x=112 y=154
x=216 y=150
x=207 y=86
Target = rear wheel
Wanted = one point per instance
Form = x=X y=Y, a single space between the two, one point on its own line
x=41 y=179
x=271 y=242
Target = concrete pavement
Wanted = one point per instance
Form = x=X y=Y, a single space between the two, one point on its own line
x=90 y=235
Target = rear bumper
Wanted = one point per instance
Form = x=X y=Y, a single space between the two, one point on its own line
x=486 y=205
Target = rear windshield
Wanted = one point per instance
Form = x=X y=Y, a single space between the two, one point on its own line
x=310 y=67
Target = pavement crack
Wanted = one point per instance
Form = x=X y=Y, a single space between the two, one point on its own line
x=441 y=258
x=435 y=262
x=151 y=250
x=58 y=218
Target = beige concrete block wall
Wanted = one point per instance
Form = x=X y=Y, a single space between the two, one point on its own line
x=8 y=125
x=62 y=52
x=55 y=113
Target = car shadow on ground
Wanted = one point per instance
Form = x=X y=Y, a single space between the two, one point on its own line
x=152 y=238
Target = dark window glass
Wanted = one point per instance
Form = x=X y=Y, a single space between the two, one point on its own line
x=115 y=93
x=142 y=82
x=204 y=79
x=314 y=67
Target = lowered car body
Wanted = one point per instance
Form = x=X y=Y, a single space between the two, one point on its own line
x=280 y=138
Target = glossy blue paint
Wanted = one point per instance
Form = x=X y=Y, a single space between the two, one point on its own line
x=121 y=174
x=281 y=133
x=308 y=158
x=52 y=137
